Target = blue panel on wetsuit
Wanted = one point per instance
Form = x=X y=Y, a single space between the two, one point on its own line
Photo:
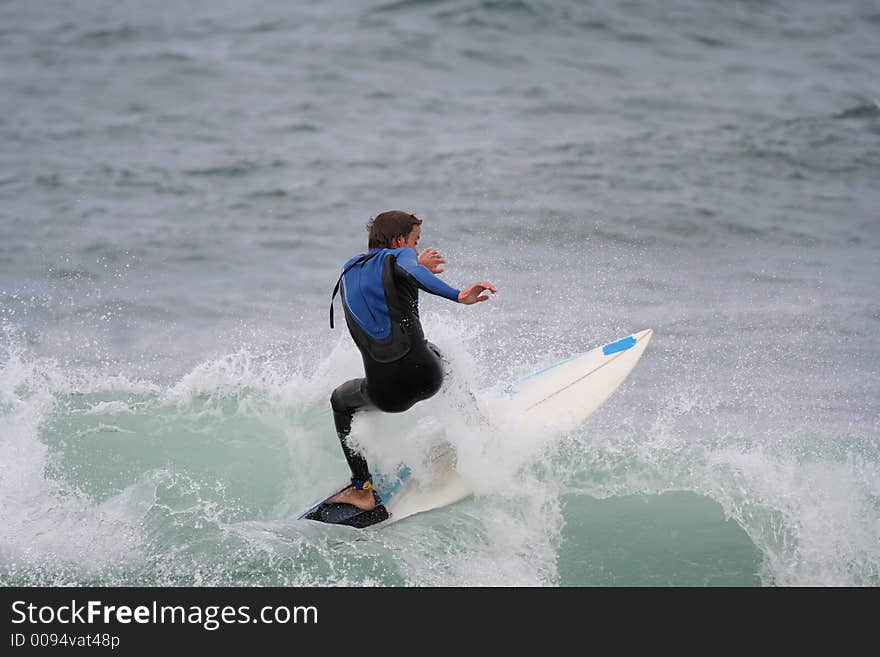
x=620 y=345
x=364 y=295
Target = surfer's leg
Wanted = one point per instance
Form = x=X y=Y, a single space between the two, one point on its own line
x=351 y=396
x=348 y=398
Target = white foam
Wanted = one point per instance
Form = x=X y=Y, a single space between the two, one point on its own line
x=49 y=526
x=813 y=514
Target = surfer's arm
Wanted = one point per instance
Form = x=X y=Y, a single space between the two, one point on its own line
x=408 y=262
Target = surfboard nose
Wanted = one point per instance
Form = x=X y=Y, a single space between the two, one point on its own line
x=643 y=335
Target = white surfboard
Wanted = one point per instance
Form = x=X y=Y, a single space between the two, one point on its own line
x=555 y=399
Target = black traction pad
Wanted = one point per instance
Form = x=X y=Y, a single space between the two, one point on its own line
x=350 y=515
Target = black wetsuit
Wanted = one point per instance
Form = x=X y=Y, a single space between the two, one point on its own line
x=380 y=296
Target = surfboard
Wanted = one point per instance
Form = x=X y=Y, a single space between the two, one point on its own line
x=554 y=399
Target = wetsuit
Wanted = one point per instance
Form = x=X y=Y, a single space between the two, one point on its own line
x=380 y=297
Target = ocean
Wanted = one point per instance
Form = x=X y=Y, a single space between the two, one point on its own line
x=181 y=183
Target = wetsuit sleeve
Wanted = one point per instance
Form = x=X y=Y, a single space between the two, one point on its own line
x=408 y=262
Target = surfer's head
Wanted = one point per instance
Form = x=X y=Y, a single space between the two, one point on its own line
x=394 y=229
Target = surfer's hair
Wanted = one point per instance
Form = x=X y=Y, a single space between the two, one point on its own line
x=385 y=227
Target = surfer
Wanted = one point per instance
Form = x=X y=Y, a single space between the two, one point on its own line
x=380 y=297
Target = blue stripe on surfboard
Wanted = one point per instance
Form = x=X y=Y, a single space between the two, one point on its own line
x=510 y=389
x=610 y=348
x=620 y=345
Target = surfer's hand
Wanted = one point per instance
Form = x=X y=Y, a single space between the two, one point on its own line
x=432 y=259
x=472 y=293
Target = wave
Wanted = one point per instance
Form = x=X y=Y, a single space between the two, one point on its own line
x=111 y=480
x=864 y=111
x=236 y=169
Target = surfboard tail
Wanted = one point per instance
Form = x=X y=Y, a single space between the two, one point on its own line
x=348 y=514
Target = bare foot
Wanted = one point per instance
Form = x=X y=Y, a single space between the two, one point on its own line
x=362 y=499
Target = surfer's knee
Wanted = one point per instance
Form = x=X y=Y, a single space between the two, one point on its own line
x=349 y=396
x=336 y=401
